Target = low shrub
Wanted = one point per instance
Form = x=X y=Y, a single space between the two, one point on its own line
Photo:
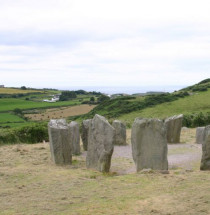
x=28 y=134
x=196 y=120
x=8 y=136
x=32 y=134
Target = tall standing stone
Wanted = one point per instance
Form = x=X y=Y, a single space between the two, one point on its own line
x=120 y=133
x=60 y=144
x=75 y=137
x=200 y=135
x=100 y=144
x=149 y=145
x=205 y=160
x=84 y=134
x=174 y=126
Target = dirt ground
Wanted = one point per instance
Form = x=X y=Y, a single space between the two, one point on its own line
x=30 y=184
x=63 y=112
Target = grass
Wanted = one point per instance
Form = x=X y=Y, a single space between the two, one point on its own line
x=32 y=184
x=17 y=124
x=198 y=102
x=17 y=91
x=9 y=104
x=8 y=117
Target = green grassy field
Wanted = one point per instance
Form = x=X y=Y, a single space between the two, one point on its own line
x=8 y=117
x=198 y=102
x=9 y=104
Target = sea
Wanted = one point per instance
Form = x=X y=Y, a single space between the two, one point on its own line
x=124 y=89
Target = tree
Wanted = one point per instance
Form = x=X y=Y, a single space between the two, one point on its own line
x=103 y=98
x=17 y=111
x=23 y=88
x=67 y=95
x=92 y=99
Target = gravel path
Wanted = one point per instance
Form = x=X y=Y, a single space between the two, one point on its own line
x=179 y=156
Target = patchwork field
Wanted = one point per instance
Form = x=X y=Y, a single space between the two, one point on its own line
x=31 y=184
x=14 y=103
x=63 y=112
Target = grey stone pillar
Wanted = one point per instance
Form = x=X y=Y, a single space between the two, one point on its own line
x=120 y=133
x=149 y=145
x=75 y=137
x=174 y=126
x=205 y=160
x=100 y=144
x=60 y=141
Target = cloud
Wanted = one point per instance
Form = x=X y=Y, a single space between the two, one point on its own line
x=104 y=43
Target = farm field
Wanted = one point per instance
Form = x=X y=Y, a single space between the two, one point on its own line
x=32 y=184
x=8 y=117
x=14 y=103
x=62 y=112
x=17 y=91
x=9 y=104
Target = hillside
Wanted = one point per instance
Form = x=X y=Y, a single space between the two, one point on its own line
x=189 y=101
x=196 y=103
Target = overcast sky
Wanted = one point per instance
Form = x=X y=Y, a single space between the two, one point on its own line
x=65 y=43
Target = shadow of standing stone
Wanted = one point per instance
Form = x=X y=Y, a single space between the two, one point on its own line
x=173 y=127
x=100 y=144
x=60 y=141
x=149 y=145
x=75 y=137
x=84 y=134
x=205 y=160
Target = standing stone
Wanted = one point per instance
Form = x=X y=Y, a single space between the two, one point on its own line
x=205 y=160
x=173 y=127
x=100 y=144
x=84 y=135
x=60 y=144
x=75 y=137
x=120 y=133
x=200 y=135
x=149 y=145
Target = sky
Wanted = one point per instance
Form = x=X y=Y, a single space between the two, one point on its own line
x=115 y=43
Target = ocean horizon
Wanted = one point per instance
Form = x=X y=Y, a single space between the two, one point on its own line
x=124 y=89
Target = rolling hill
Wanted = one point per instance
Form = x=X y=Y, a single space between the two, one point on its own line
x=192 y=101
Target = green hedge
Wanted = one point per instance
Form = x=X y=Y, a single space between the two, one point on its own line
x=196 y=120
x=28 y=134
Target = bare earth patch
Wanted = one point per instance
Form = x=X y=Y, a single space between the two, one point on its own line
x=30 y=184
x=63 y=112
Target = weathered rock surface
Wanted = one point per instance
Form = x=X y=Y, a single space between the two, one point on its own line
x=75 y=137
x=84 y=134
x=205 y=160
x=100 y=144
x=60 y=144
x=173 y=127
x=149 y=144
x=200 y=135
x=120 y=133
